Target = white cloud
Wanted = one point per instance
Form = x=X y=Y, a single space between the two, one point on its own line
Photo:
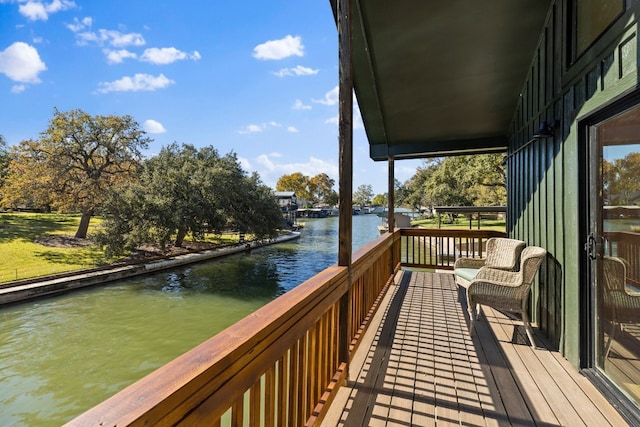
x=270 y=170
x=292 y=129
x=117 y=56
x=80 y=25
x=244 y=163
x=298 y=105
x=297 y=71
x=279 y=49
x=332 y=120
x=18 y=88
x=36 y=10
x=21 y=63
x=330 y=98
x=253 y=128
x=167 y=55
x=151 y=126
x=139 y=82
x=110 y=37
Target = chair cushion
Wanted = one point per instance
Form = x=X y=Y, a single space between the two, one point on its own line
x=466 y=273
x=504 y=254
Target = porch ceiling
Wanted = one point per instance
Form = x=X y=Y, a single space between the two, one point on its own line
x=436 y=78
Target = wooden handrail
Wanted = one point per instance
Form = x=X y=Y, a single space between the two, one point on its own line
x=292 y=342
x=439 y=248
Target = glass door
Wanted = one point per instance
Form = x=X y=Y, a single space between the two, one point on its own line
x=613 y=247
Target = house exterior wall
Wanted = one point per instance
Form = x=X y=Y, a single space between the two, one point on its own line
x=545 y=175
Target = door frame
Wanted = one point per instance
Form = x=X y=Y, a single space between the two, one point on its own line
x=588 y=161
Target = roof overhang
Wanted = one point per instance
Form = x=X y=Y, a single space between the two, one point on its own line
x=435 y=78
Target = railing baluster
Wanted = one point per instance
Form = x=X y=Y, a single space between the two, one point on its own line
x=237 y=413
x=269 y=398
x=254 y=403
x=283 y=389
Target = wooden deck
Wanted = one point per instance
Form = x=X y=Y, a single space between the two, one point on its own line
x=420 y=367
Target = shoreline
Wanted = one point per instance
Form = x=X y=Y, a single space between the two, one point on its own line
x=15 y=292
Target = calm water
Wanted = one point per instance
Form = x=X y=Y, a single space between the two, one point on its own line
x=62 y=355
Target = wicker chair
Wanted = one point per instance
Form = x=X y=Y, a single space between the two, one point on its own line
x=506 y=290
x=619 y=306
x=502 y=254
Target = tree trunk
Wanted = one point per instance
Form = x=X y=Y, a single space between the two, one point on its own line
x=81 y=233
x=182 y=233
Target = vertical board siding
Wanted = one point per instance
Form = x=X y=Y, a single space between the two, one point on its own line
x=533 y=189
x=543 y=174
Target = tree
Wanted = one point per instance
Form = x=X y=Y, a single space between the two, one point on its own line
x=321 y=188
x=296 y=182
x=185 y=191
x=621 y=179
x=332 y=199
x=317 y=189
x=76 y=162
x=467 y=181
x=380 y=200
x=363 y=194
x=489 y=172
x=417 y=195
x=5 y=159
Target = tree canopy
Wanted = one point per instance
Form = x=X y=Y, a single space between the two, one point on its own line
x=78 y=159
x=316 y=189
x=5 y=159
x=621 y=179
x=187 y=191
x=474 y=180
x=363 y=194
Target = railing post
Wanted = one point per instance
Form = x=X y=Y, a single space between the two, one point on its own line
x=346 y=169
x=391 y=201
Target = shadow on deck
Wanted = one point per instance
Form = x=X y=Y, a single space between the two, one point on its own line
x=420 y=367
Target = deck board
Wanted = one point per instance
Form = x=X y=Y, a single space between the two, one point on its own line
x=420 y=367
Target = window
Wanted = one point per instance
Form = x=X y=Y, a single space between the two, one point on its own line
x=590 y=18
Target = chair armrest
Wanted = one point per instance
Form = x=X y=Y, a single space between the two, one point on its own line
x=498 y=277
x=465 y=262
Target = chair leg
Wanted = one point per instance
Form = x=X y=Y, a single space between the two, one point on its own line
x=472 y=316
x=610 y=339
x=527 y=327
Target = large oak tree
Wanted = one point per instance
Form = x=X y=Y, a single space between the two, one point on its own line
x=76 y=161
x=188 y=191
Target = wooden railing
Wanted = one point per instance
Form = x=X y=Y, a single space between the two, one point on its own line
x=438 y=248
x=278 y=366
x=626 y=245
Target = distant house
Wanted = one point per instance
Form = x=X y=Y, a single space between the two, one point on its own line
x=288 y=205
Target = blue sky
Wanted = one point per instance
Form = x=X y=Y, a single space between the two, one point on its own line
x=256 y=77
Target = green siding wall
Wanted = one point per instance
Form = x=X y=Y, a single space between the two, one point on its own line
x=544 y=174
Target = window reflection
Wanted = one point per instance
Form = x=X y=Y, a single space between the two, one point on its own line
x=618 y=289
x=592 y=18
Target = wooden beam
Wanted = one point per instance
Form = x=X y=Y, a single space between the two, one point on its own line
x=345 y=132
x=391 y=199
x=345 y=128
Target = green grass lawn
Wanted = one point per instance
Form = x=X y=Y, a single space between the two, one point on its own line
x=23 y=257
x=462 y=223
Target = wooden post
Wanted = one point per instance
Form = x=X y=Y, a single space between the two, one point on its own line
x=391 y=199
x=345 y=129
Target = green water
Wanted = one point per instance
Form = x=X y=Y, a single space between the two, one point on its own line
x=62 y=355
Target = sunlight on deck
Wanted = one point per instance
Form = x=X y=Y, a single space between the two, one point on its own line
x=420 y=367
